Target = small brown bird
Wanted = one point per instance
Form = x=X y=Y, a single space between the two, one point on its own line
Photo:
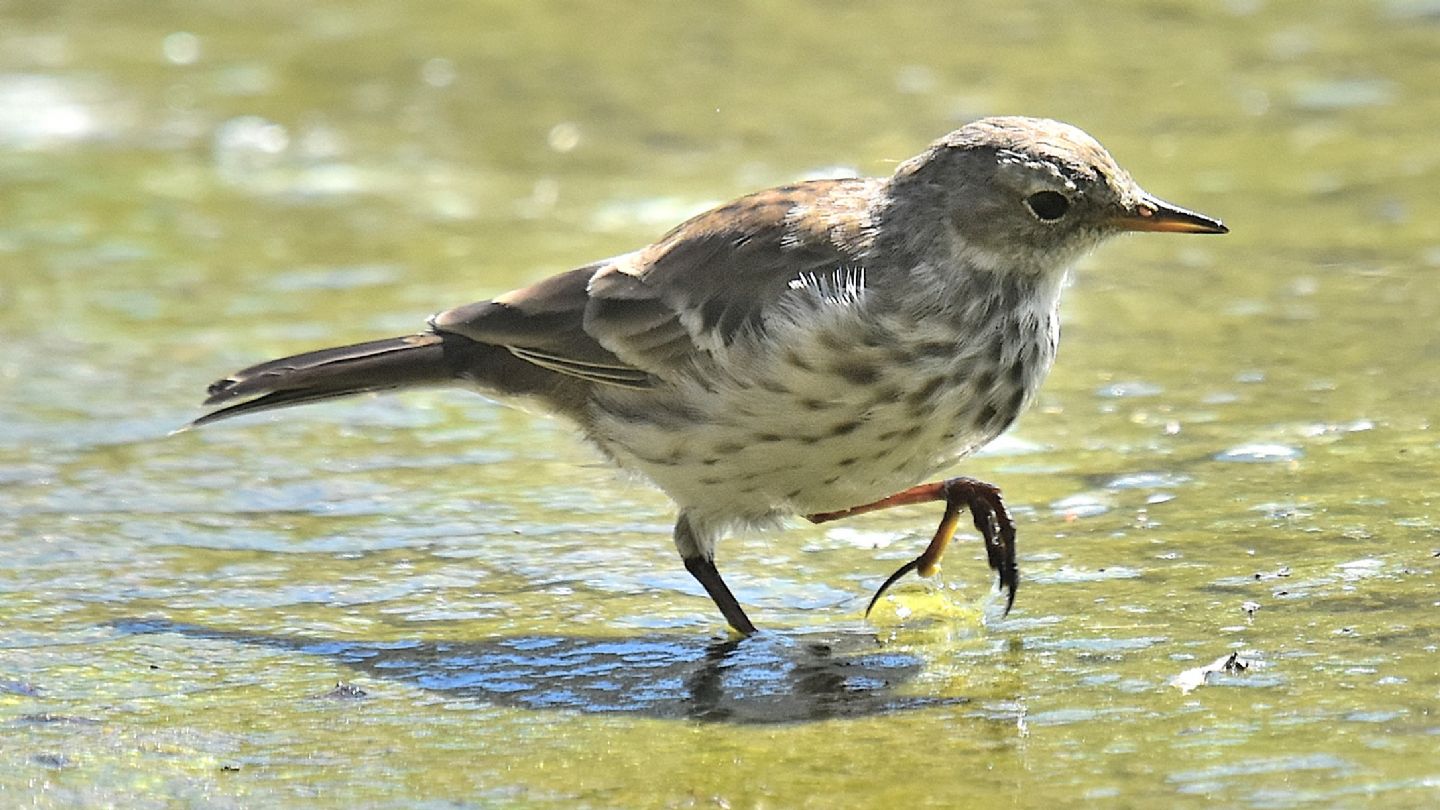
x=806 y=350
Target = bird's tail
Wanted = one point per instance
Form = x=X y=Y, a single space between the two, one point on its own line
x=379 y=365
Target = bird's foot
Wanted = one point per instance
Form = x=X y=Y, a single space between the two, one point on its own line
x=991 y=518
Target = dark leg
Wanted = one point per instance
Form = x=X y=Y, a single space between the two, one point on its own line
x=697 y=548
x=986 y=508
x=704 y=570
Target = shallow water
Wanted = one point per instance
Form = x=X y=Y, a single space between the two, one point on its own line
x=1233 y=453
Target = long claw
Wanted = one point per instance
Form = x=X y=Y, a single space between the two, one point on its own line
x=987 y=509
x=929 y=560
x=884 y=586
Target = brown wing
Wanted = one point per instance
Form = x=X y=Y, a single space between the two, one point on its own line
x=716 y=275
x=633 y=318
x=543 y=325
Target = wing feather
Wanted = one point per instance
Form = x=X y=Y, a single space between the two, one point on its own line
x=631 y=320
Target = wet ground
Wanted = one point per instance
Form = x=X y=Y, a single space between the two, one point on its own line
x=1229 y=544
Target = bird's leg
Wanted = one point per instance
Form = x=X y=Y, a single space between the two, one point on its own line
x=987 y=509
x=703 y=569
x=697 y=549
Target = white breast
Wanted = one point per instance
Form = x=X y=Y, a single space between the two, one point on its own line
x=836 y=406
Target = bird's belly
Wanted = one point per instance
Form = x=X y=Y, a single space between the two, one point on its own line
x=794 y=462
x=809 y=437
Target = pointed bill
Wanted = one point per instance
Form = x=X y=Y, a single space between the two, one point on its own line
x=1154 y=214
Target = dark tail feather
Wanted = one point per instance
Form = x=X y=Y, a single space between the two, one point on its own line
x=380 y=365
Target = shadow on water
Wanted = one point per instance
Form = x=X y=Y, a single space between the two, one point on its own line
x=766 y=678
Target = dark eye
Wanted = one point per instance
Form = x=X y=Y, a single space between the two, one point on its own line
x=1048 y=205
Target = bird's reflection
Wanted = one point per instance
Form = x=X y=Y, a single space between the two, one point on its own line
x=768 y=678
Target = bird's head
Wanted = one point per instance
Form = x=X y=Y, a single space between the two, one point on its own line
x=1031 y=195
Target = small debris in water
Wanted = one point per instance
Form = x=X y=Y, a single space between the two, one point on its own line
x=1192 y=679
x=1250 y=608
x=342 y=691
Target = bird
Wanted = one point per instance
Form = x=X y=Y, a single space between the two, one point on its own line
x=820 y=349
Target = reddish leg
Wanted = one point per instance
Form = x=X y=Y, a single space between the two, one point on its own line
x=986 y=508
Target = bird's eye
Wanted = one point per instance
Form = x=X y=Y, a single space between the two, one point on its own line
x=1048 y=205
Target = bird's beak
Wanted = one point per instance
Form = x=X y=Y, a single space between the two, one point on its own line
x=1154 y=214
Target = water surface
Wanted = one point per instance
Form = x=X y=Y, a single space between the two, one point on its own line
x=1233 y=454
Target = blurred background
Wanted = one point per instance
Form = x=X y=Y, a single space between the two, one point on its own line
x=1233 y=453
